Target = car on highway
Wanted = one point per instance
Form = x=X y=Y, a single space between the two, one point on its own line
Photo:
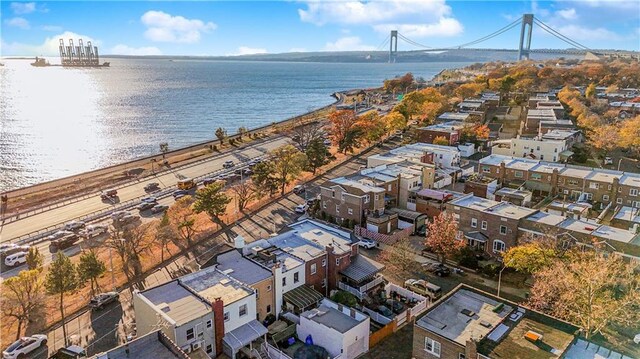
x=58 y=234
x=207 y=181
x=119 y=214
x=153 y=186
x=110 y=194
x=180 y=193
x=149 y=199
x=254 y=162
x=247 y=172
x=178 y=196
x=297 y=189
x=15 y=259
x=63 y=243
x=24 y=346
x=12 y=248
x=159 y=208
x=438 y=269
x=102 y=299
x=367 y=243
x=423 y=287
x=228 y=164
x=93 y=230
x=127 y=219
x=301 y=208
x=143 y=206
x=74 y=226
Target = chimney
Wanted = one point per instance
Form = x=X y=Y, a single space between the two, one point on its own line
x=239 y=242
x=471 y=348
x=352 y=313
x=218 y=317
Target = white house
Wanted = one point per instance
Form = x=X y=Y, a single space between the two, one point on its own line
x=534 y=148
x=339 y=329
x=442 y=156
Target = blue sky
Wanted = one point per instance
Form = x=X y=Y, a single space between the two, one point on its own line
x=242 y=27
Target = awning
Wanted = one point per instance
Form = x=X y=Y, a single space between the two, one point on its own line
x=302 y=296
x=437 y=195
x=566 y=154
x=362 y=268
x=476 y=236
x=243 y=335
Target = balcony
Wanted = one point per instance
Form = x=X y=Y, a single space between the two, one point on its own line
x=361 y=291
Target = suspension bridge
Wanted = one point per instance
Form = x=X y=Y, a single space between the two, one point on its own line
x=524 y=49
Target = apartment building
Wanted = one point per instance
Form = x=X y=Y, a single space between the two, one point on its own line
x=449 y=130
x=534 y=148
x=570 y=182
x=469 y=323
x=399 y=180
x=488 y=225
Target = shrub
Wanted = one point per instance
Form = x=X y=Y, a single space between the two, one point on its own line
x=491 y=270
x=323 y=215
x=466 y=257
x=332 y=220
x=345 y=298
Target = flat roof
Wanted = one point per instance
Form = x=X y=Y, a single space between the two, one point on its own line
x=503 y=209
x=464 y=315
x=580 y=226
x=450 y=126
x=614 y=234
x=454 y=116
x=506 y=191
x=331 y=318
x=570 y=206
x=176 y=302
x=242 y=269
x=630 y=179
x=148 y=346
x=210 y=283
x=547 y=167
x=361 y=184
x=601 y=175
x=560 y=134
x=583 y=349
x=630 y=214
x=546 y=218
x=323 y=235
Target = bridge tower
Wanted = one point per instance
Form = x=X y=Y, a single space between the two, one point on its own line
x=525 y=47
x=393 y=46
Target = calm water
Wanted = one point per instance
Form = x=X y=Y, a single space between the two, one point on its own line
x=56 y=122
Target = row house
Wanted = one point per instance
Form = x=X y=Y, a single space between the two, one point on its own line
x=453 y=116
x=399 y=180
x=535 y=116
x=554 y=105
x=571 y=137
x=626 y=218
x=490 y=98
x=534 y=148
x=449 y=130
x=488 y=225
x=566 y=181
x=545 y=126
x=430 y=202
x=440 y=156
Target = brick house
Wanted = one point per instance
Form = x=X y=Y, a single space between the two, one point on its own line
x=449 y=130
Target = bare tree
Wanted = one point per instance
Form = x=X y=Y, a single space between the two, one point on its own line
x=183 y=219
x=129 y=244
x=303 y=134
x=245 y=192
x=22 y=296
x=400 y=256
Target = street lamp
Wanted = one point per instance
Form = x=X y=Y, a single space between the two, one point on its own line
x=500 y=274
x=625 y=158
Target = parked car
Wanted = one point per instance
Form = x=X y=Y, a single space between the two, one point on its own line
x=424 y=288
x=396 y=306
x=74 y=226
x=70 y=352
x=58 y=234
x=15 y=259
x=385 y=311
x=608 y=160
x=367 y=243
x=301 y=208
x=13 y=249
x=298 y=189
x=93 y=230
x=102 y=299
x=247 y=172
x=180 y=193
x=145 y=206
x=109 y=194
x=153 y=186
x=24 y=346
x=228 y=164
x=159 y=208
x=63 y=243
x=438 y=269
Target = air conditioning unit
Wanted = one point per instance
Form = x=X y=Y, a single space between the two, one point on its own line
x=187 y=349
x=196 y=345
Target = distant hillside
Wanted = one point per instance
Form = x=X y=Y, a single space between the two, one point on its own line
x=461 y=55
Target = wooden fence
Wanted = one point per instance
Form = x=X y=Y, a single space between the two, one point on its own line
x=389 y=239
x=377 y=336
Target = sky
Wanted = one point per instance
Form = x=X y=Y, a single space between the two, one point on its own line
x=247 y=27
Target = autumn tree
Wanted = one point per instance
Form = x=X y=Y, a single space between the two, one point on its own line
x=429 y=112
x=399 y=83
x=529 y=257
x=245 y=192
x=373 y=126
x=605 y=138
x=22 y=295
x=317 y=155
x=287 y=163
x=90 y=268
x=129 y=245
x=469 y=90
x=264 y=179
x=164 y=234
x=62 y=278
x=441 y=140
x=399 y=256
x=183 y=219
x=242 y=131
x=212 y=200
x=442 y=235
x=344 y=130
x=303 y=134
x=34 y=258
x=221 y=134
x=630 y=134
x=591 y=289
x=395 y=121
x=590 y=92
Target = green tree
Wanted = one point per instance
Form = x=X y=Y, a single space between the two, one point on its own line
x=221 y=134
x=288 y=163
x=352 y=140
x=22 y=295
x=529 y=257
x=90 y=268
x=264 y=179
x=317 y=155
x=62 y=278
x=400 y=256
x=34 y=258
x=212 y=200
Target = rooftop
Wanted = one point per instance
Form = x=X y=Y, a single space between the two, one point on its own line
x=454 y=116
x=242 y=269
x=570 y=206
x=511 y=192
x=154 y=345
x=330 y=317
x=558 y=134
x=362 y=268
x=583 y=349
x=210 y=283
x=322 y=235
x=546 y=113
x=503 y=209
x=546 y=218
x=450 y=126
x=362 y=186
x=176 y=302
x=630 y=214
x=615 y=234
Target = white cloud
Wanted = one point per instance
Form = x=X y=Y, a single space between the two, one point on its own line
x=349 y=43
x=18 y=22
x=48 y=48
x=121 y=49
x=163 y=27
x=245 y=50
x=613 y=4
x=52 y=28
x=568 y=14
x=423 y=18
x=23 y=7
x=577 y=32
x=302 y=49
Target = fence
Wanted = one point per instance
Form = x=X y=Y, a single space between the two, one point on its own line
x=275 y=353
x=378 y=335
x=389 y=239
x=377 y=317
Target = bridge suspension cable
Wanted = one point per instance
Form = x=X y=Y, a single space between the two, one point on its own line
x=383 y=44
x=555 y=33
x=490 y=36
x=414 y=43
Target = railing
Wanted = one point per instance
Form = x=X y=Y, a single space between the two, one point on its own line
x=389 y=239
x=377 y=317
x=360 y=292
x=275 y=353
x=351 y=290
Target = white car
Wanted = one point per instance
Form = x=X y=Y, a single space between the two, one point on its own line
x=23 y=346
x=608 y=160
x=301 y=208
x=94 y=230
x=74 y=226
x=119 y=214
x=367 y=243
x=15 y=259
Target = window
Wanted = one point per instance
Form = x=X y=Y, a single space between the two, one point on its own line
x=333 y=194
x=541 y=157
x=190 y=334
x=555 y=150
x=209 y=323
x=486 y=169
x=313 y=268
x=296 y=277
x=209 y=348
x=242 y=311
x=377 y=197
x=324 y=262
x=324 y=282
x=342 y=197
x=633 y=192
x=284 y=281
x=484 y=224
x=572 y=182
x=226 y=316
x=498 y=245
x=432 y=346
x=350 y=210
x=619 y=200
x=324 y=204
x=605 y=198
x=537 y=148
x=593 y=185
x=337 y=209
x=337 y=261
x=389 y=188
x=609 y=187
x=536 y=176
x=268 y=308
x=474 y=222
x=257 y=294
x=461 y=356
x=366 y=199
x=503 y=230
x=269 y=288
x=518 y=174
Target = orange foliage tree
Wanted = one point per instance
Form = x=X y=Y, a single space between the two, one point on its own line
x=441 y=140
x=442 y=236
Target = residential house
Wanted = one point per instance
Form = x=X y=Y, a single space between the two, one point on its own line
x=398 y=180
x=546 y=125
x=441 y=156
x=535 y=116
x=453 y=116
x=534 y=148
x=626 y=218
x=430 y=202
x=449 y=130
x=154 y=345
x=571 y=137
x=515 y=196
x=481 y=186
